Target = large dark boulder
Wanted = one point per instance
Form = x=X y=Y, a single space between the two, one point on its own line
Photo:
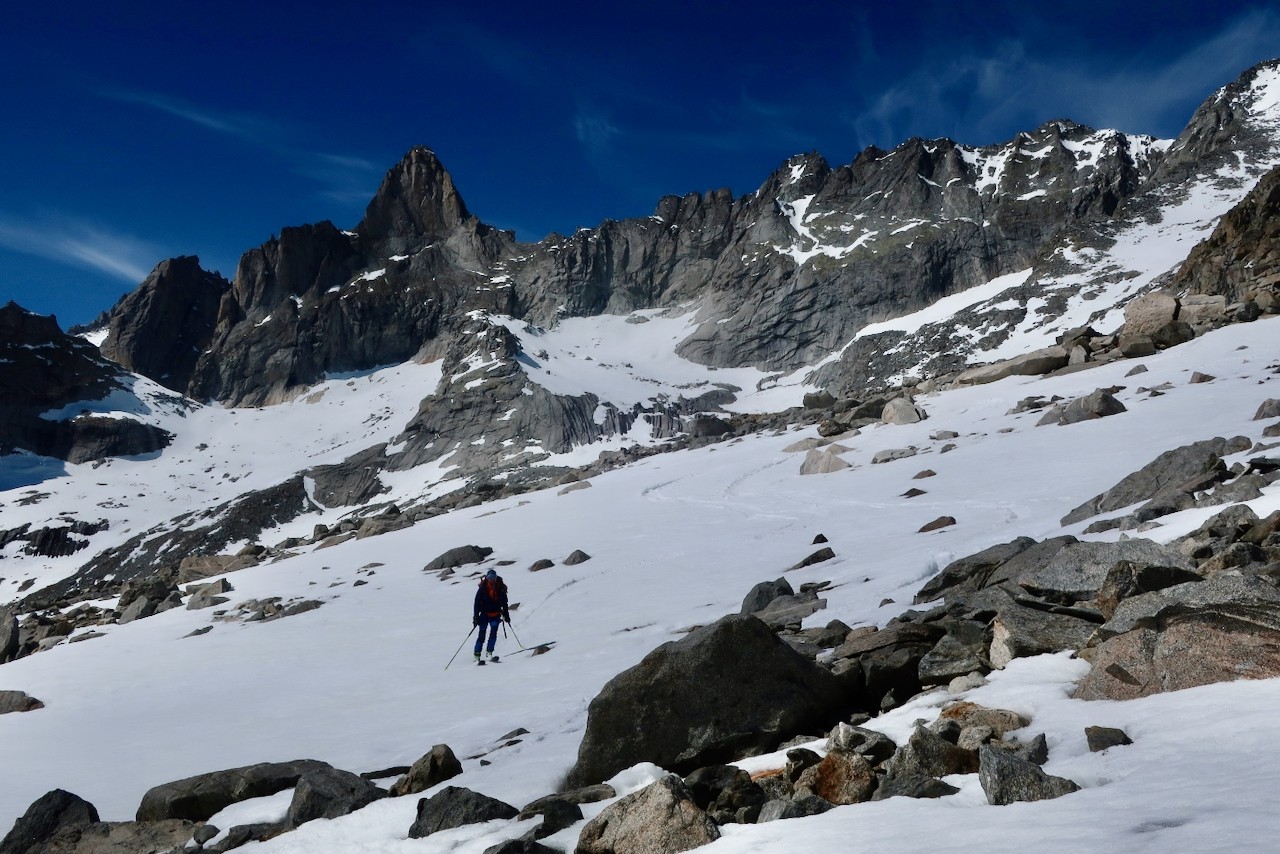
x=454 y=806
x=197 y=798
x=727 y=690
x=54 y=821
x=330 y=793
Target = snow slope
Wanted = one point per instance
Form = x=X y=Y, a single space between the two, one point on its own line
x=676 y=540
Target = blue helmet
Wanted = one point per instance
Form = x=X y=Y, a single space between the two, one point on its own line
x=491 y=574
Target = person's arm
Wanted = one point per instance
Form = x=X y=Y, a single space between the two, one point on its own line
x=506 y=615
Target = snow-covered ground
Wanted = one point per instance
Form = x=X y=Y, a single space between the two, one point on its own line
x=675 y=540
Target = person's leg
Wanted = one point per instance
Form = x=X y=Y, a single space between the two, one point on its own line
x=480 y=637
x=493 y=633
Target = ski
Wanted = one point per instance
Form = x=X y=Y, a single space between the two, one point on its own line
x=543 y=646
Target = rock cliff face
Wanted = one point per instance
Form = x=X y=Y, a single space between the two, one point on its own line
x=780 y=279
x=160 y=329
x=781 y=276
x=44 y=374
x=1242 y=256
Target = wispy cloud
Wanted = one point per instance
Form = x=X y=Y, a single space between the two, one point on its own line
x=79 y=244
x=343 y=177
x=980 y=98
x=594 y=129
x=252 y=129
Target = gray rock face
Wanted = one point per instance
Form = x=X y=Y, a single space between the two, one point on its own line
x=8 y=636
x=435 y=767
x=54 y=822
x=1017 y=632
x=1166 y=472
x=453 y=807
x=197 y=798
x=722 y=692
x=160 y=329
x=660 y=817
x=1218 y=630
x=1077 y=571
x=1006 y=779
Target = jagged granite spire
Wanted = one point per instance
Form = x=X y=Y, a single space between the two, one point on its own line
x=161 y=328
x=417 y=199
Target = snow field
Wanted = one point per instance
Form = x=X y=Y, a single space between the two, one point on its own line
x=676 y=540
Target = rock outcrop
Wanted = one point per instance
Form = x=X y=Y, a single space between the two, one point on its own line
x=722 y=692
x=45 y=376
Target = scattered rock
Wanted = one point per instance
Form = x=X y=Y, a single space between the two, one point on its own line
x=820 y=461
x=763 y=593
x=1102 y=737
x=662 y=817
x=329 y=793
x=890 y=454
x=901 y=411
x=822 y=554
x=539 y=565
x=801 y=807
x=923 y=474
x=1270 y=408
x=460 y=556
x=840 y=778
x=1007 y=779
x=454 y=806
x=936 y=524
x=1028 y=364
x=18 y=701
x=576 y=557
x=1197 y=378
x=913 y=786
x=435 y=767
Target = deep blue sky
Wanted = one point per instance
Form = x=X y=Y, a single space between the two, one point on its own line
x=132 y=132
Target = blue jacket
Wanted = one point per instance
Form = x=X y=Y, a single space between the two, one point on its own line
x=491 y=600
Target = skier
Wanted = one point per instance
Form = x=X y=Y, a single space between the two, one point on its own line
x=490 y=607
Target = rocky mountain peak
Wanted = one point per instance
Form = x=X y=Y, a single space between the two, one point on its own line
x=417 y=200
x=45 y=376
x=1238 y=121
x=43 y=365
x=160 y=329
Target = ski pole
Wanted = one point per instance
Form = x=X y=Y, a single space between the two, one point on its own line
x=461 y=645
x=514 y=635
